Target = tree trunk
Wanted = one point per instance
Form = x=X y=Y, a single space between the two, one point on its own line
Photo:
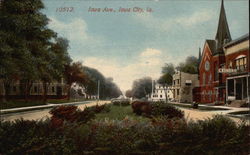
x=3 y=98
x=45 y=91
x=28 y=85
x=6 y=91
x=68 y=97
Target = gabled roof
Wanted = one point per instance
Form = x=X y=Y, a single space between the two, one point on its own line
x=238 y=40
x=212 y=45
x=223 y=29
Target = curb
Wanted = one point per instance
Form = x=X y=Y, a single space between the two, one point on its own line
x=50 y=105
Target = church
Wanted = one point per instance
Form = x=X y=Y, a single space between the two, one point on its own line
x=224 y=66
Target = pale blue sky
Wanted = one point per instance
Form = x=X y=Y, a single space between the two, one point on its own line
x=127 y=46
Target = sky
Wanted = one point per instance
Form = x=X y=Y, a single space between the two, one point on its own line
x=130 y=45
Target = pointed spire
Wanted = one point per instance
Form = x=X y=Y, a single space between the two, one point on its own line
x=199 y=53
x=199 y=58
x=223 y=33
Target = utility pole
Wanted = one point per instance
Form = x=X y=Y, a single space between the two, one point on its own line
x=152 y=91
x=98 y=91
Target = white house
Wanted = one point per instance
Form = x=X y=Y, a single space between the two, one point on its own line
x=160 y=92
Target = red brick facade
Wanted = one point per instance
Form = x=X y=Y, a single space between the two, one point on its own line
x=212 y=84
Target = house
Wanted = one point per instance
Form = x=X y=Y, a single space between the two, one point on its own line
x=56 y=89
x=161 y=93
x=183 y=85
x=237 y=70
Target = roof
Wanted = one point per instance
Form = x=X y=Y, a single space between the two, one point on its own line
x=212 y=45
x=238 y=40
x=223 y=32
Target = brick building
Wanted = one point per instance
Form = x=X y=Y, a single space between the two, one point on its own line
x=217 y=57
x=212 y=83
x=237 y=70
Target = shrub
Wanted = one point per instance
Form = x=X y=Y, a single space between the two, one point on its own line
x=70 y=114
x=140 y=107
x=121 y=102
x=218 y=135
x=99 y=108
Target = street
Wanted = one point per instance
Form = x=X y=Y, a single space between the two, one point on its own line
x=42 y=114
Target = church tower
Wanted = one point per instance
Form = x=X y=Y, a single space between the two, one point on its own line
x=223 y=34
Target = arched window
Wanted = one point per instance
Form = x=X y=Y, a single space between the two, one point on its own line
x=241 y=63
x=204 y=78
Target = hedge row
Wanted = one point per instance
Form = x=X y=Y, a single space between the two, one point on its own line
x=218 y=135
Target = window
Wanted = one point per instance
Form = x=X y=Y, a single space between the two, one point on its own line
x=160 y=96
x=14 y=88
x=230 y=64
x=35 y=89
x=204 y=79
x=177 y=91
x=241 y=63
x=53 y=89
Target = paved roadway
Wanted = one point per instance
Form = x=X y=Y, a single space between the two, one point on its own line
x=193 y=114
x=42 y=113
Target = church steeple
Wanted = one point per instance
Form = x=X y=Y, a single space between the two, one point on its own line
x=223 y=34
x=199 y=58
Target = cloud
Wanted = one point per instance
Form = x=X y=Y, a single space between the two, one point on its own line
x=150 y=52
x=76 y=31
x=185 y=21
x=73 y=30
x=149 y=63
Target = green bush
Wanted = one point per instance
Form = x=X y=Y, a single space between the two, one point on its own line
x=141 y=107
x=99 y=108
x=70 y=113
x=218 y=135
x=161 y=108
x=121 y=102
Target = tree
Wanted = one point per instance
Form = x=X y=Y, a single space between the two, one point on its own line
x=190 y=66
x=168 y=68
x=142 y=87
x=165 y=79
x=56 y=61
x=74 y=73
x=129 y=93
x=167 y=74
x=25 y=40
x=108 y=89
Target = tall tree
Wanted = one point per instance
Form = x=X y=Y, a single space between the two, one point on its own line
x=21 y=24
x=142 y=87
x=56 y=60
x=190 y=66
x=74 y=73
x=167 y=74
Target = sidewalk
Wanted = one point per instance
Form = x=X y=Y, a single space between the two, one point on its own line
x=49 y=105
x=196 y=114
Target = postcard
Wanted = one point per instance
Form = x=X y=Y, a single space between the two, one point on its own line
x=124 y=76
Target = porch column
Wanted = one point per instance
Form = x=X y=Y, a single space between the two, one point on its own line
x=235 y=88
x=226 y=90
x=248 y=95
x=242 y=89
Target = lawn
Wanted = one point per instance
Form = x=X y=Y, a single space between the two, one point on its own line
x=119 y=113
x=18 y=104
